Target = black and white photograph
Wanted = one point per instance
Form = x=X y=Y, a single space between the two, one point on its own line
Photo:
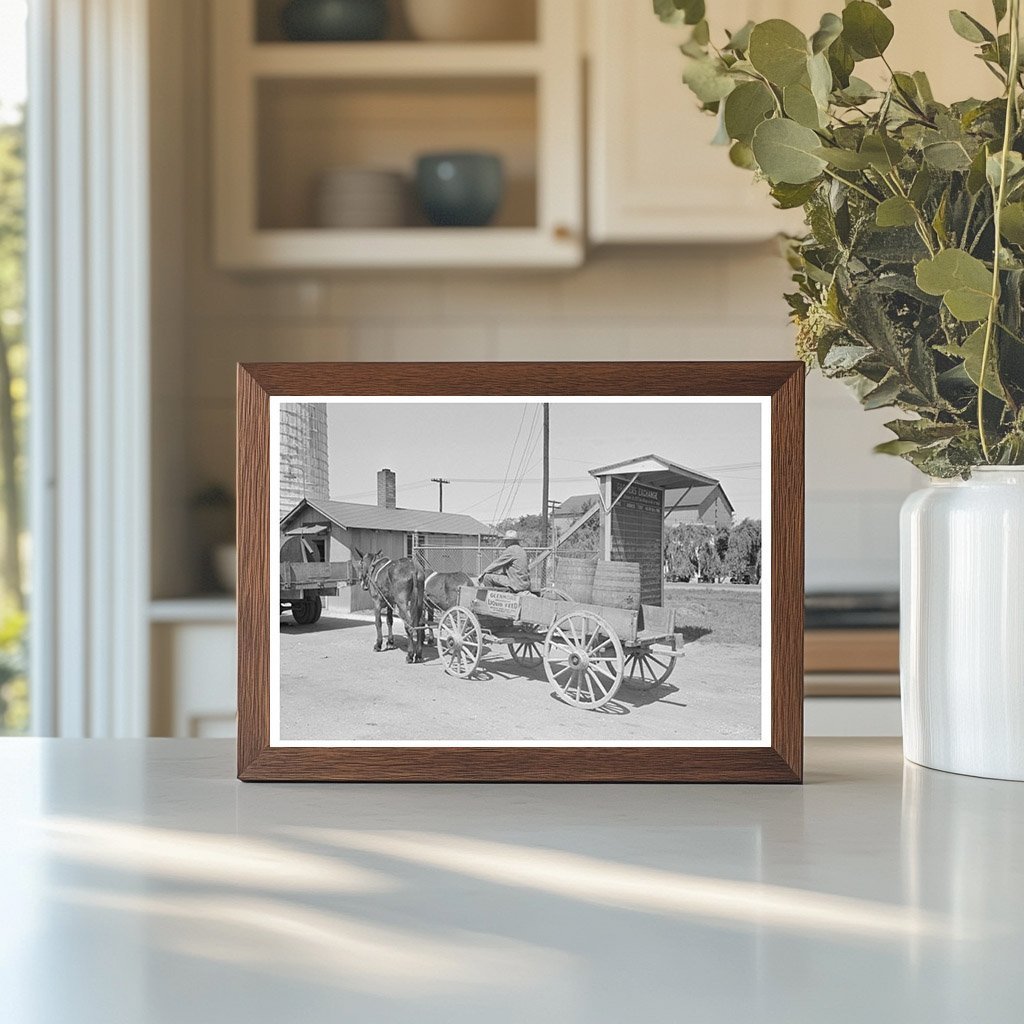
x=492 y=572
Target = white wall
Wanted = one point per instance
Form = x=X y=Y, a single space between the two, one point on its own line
x=701 y=303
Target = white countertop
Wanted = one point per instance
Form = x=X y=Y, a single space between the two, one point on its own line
x=143 y=885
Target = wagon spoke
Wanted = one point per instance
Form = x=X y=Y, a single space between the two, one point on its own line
x=568 y=643
x=592 y=679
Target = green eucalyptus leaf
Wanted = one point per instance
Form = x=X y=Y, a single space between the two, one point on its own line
x=830 y=29
x=842 y=61
x=701 y=33
x=739 y=41
x=819 y=75
x=963 y=281
x=972 y=353
x=994 y=169
x=789 y=197
x=741 y=155
x=745 y=108
x=785 y=152
x=844 y=159
x=923 y=431
x=999 y=7
x=721 y=136
x=866 y=29
x=676 y=12
x=800 y=105
x=858 y=91
x=896 y=212
x=921 y=185
x=1012 y=225
x=947 y=156
x=708 y=80
x=924 y=87
x=882 y=152
x=884 y=395
x=895 y=447
x=976 y=173
x=939 y=220
x=779 y=51
x=969 y=28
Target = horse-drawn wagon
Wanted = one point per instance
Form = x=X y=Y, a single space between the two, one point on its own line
x=588 y=650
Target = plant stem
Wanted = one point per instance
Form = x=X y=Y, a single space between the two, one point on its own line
x=1000 y=199
x=856 y=188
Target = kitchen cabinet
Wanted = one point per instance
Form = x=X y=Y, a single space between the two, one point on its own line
x=287 y=113
x=653 y=175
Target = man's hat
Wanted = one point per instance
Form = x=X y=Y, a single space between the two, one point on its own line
x=511 y=535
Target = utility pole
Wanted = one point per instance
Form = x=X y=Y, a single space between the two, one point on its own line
x=547 y=475
x=544 y=501
x=440 y=481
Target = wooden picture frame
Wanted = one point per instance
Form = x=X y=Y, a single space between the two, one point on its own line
x=779 y=760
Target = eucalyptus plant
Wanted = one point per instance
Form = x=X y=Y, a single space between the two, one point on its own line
x=910 y=278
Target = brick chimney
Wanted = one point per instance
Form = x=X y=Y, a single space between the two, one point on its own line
x=386 y=489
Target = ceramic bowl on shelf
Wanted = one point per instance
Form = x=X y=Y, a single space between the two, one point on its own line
x=361 y=198
x=470 y=20
x=332 y=21
x=460 y=189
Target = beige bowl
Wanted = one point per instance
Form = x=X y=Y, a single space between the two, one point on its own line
x=471 y=20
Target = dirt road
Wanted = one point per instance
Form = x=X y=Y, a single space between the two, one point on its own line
x=335 y=687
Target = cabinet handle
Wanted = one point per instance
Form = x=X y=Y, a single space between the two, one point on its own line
x=563 y=232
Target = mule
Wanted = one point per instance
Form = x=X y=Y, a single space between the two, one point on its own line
x=394 y=585
x=441 y=592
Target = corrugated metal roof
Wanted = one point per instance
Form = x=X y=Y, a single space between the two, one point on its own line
x=575 y=506
x=347 y=514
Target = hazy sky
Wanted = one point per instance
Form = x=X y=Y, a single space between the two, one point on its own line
x=478 y=445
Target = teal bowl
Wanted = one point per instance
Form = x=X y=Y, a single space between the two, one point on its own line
x=460 y=190
x=334 y=21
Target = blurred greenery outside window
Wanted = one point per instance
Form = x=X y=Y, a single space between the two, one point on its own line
x=14 y=693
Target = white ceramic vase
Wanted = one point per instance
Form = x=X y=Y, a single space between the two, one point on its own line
x=962 y=624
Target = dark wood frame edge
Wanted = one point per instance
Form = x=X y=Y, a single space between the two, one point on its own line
x=781 y=762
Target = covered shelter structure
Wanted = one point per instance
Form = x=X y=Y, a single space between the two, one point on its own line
x=633 y=497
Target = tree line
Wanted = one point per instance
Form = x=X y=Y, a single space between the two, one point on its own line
x=701 y=553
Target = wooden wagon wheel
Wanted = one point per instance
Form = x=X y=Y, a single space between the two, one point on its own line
x=526 y=653
x=645 y=669
x=307 y=611
x=460 y=642
x=583 y=658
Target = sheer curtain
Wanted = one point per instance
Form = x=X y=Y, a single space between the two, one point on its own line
x=88 y=301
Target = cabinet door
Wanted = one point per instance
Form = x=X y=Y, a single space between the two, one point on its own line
x=654 y=175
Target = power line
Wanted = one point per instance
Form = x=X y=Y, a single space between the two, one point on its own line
x=508 y=464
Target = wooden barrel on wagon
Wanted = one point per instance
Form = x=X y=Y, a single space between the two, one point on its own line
x=574 y=577
x=616 y=585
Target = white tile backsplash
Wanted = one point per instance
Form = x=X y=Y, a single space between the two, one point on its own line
x=717 y=302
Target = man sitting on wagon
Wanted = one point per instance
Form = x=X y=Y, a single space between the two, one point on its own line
x=510 y=570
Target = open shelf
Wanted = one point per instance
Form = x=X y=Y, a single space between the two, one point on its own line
x=306 y=128
x=520 y=17
x=286 y=114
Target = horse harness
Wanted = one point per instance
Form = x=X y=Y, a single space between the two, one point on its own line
x=376 y=568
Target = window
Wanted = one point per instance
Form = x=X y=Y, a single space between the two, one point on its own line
x=14 y=704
